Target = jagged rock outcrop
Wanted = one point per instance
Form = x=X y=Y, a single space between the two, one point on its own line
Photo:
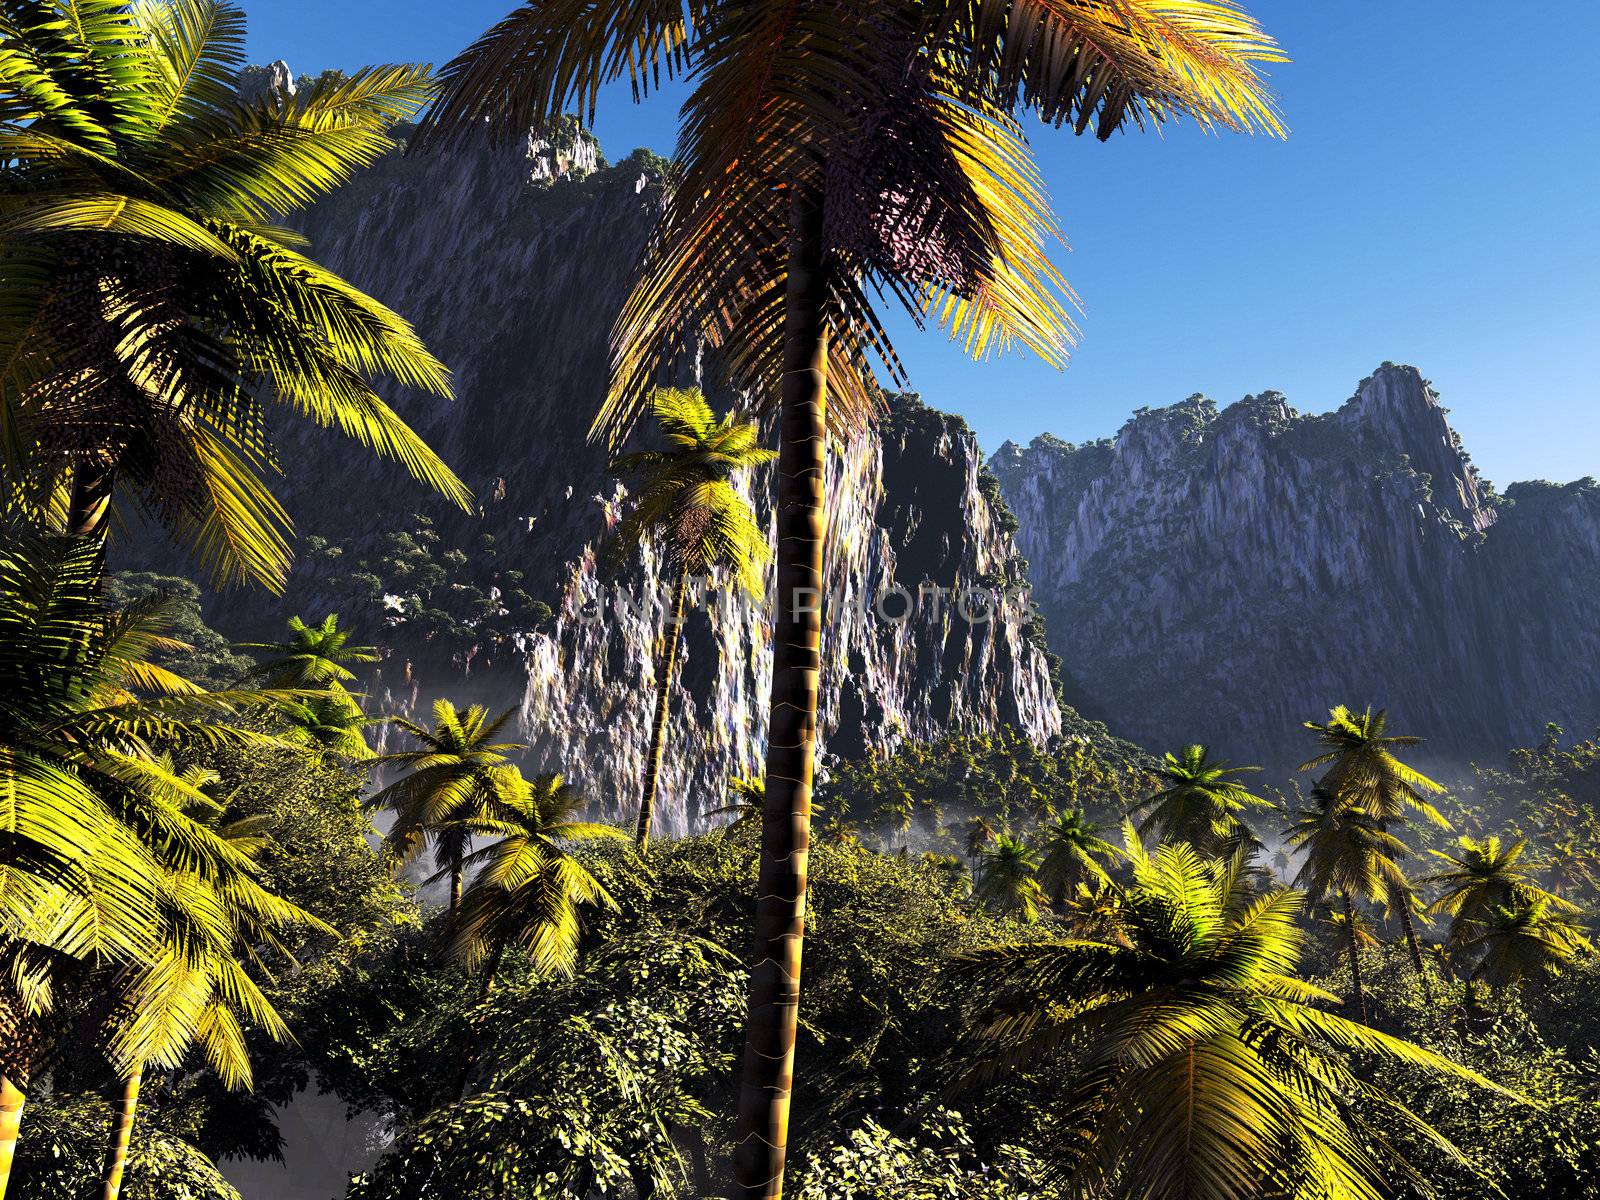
x=513 y=263
x=1224 y=576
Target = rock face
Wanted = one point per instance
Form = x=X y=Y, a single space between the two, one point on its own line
x=512 y=264
x=1223 y=576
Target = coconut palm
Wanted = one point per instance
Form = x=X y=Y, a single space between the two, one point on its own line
x=1071 y=854
x=830 y=153
x=1349 y=856
x=1485 y=875
x=1521 y=939
x=82 y=712
x=1363 y=769
x=690 y=509
x=152 y=309
x=313 y=656
x=1199 y=802
x=1094 y=913
x=978 y=832
x=215 y=914
x=327 y=724
x=1008 y=879
x=459 y=778
x=746 y=793
x=529 y=890
x=1204 y=1069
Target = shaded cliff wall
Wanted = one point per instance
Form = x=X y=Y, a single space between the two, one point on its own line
x=1224 y=576
x=512 y=264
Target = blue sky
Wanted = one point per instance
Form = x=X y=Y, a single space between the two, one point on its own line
x=1434 y=204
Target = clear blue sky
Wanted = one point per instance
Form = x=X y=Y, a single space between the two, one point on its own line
x=1434 y=204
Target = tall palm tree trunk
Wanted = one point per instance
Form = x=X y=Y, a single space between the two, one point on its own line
x=1355 y=958
x=456 y=872
x=1416 y=950
x=490 y=970
x=761 y=1136
x=658 y=726
x=12 y=1100
x=121 y=1136
x=89 y=503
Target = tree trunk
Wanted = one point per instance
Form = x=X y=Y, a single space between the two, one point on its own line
x=658 y=727
x=121 y=1136
x=1355 y=958
x=1416 y=951
x=89 y=506
x=12 y=1099
x=491 y=968
x=456 y=873
x=761 y=1136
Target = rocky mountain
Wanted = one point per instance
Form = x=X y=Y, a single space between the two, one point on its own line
x=512 y=263
x=1224 y=576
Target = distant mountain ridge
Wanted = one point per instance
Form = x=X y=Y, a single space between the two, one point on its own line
x=1223 y=576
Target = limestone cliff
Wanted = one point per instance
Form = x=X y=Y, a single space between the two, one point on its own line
x=513 y=264
x=1224 y=576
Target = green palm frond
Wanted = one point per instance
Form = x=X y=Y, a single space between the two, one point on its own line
x=160 y=314
x=1363 y=770
x=1202 y=1068
x=1201 y=803
x=529 y=890
x=687 y=500
x=933 y=194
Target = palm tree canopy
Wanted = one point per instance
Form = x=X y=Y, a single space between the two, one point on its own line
x=746 y=793
x=1348 y=851
x=931 y=193
x=686 y=494
x=458 y=776
x=1200 y=803
x=326 y=722
x=152 y=308
x=1205 y=1067
x=529 y=890
x=1008 y=877
x=1362 y=767
x=84 y=716
x=216 y=914
x=1522 y=939
x=313 y=656
x=1485 y=874
x=1072 y=853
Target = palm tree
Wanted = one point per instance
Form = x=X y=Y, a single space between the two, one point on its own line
x=326 y=724
x=1205 y=1069
x=1008 y=877
x=1350 y=855
x=529 y=890
x=1094 y=913
x=151 y=307
x=1072 y=853
x=1485 y=875
x=829 y=153
x=1522 y=939
x=747 y=793
x=690 y=508
x=979 y=831
x=459 y=779
x=215 y=912
x=1363 y=769
x=82 y=709
x=1200 y=803
x=314 y=656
